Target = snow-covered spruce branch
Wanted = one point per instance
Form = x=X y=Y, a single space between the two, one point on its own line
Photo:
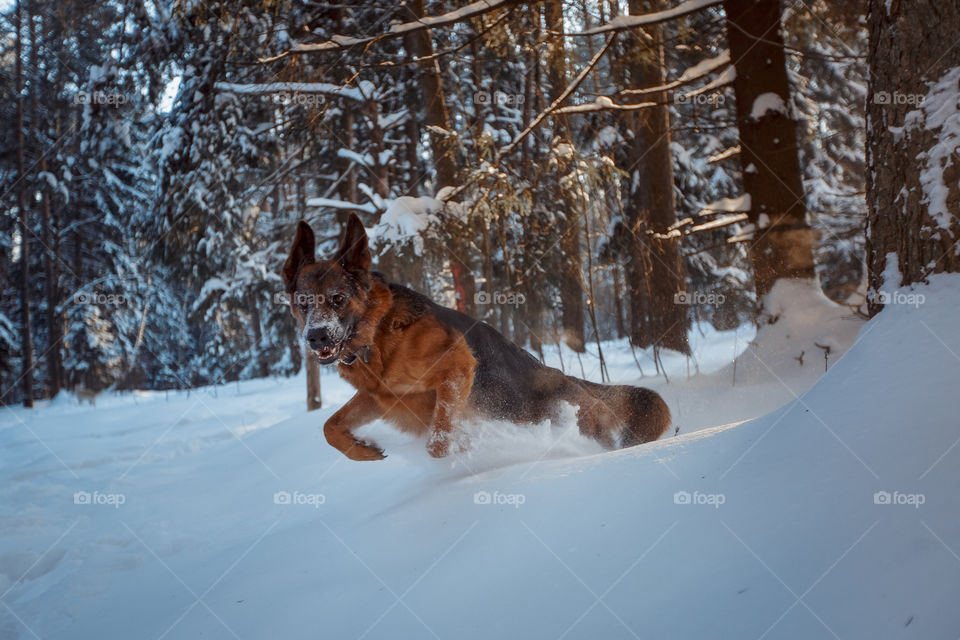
x=472 y=10
x=625 y=22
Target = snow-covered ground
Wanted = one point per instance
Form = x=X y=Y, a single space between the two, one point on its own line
x=781 y=510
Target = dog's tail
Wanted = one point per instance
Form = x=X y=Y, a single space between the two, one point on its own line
x=619 y=414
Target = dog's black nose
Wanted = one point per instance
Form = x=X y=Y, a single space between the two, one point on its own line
x=319 y=338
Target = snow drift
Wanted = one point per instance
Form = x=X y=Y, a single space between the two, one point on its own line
x=832 y=516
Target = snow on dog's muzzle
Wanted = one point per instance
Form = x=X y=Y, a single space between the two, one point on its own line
x=323 y=344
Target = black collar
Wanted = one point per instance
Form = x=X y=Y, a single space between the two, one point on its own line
x=363 y=351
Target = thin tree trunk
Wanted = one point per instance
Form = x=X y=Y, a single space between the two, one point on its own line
x=914 y=66
x=26 y=336
x=571 y=281
x=54 y=328
x=783 y=242
x=618 y=302
x=314 y=400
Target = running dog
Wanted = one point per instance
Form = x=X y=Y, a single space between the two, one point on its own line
x=424 y=367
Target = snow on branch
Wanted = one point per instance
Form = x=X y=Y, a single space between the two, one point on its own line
x=603 y=103
x=697 y=72
x=686 y=227
x=726 y=78
x=367 y=207
x=727 y=205
x=723 y=155
x=472 y=10
x=622 y=23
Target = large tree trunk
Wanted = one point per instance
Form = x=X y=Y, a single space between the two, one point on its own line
x=420 y=46
x=571 y=280
x=26 y=336
x=783 y=241
x=913 y=59
x=650 y=202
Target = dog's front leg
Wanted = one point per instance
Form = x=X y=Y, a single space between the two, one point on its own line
x=358 y=411
x=451 y=397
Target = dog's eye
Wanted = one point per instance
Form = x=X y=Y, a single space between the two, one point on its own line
x=337 y=299
x=304 y=307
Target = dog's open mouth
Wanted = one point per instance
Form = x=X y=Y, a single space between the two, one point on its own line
x=328 y=355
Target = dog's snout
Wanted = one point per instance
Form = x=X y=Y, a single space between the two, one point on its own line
x=319 y=338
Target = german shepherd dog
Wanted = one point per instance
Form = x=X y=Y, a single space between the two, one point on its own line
x=424 y=367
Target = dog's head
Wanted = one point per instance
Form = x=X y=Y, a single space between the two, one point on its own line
x=328 y=297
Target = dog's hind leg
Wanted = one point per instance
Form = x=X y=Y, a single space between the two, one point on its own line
x=648 y=417
x=358 y=411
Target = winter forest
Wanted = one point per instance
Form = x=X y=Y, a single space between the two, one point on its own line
x=751 y=207
x=565 y=171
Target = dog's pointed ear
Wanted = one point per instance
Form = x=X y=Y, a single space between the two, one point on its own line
x=301 y=253
x=354 y=251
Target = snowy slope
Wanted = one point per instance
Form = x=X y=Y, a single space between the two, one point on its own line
x=768 y=528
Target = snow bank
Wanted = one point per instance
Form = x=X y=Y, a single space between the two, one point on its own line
x=833 y=516
x=801 y=329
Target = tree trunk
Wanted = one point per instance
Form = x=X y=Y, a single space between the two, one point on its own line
x=783 y=241
x=650 y=205
x=51 y=291
x=420 y=46
x=313 y=380
x=618 y=302
x=571 y=280
x=914 y=74
x=26 y=336
x=54 y=327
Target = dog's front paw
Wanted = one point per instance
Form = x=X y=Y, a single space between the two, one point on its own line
x=438 y=445
x=364 y=451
